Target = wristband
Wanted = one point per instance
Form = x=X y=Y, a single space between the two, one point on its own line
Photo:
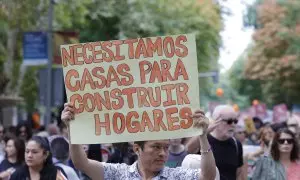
x=206 y=151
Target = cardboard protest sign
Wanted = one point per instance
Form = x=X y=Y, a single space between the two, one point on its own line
x=260 y=110
x=280 y=113
x=251 y=112
x=132 y=90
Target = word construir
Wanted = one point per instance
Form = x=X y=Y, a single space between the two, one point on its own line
x=147 y=90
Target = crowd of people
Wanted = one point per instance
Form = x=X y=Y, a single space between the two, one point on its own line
x=224 y=151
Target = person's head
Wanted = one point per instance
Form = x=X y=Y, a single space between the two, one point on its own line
x=285 y=142
x=266 y=134
x=240 y=134
x=293 y=123
x=24 y=131
x=52 y=129
x=257 y=122
x=152 y=154
x=176 y=142
x=228 y=118
x=37 y=152
x=15 y=147
x=60 y=148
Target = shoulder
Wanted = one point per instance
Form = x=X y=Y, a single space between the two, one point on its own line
x=3 y=165
x=181 y=173
x=20 y=173
x=112 y=171
x=112 y=166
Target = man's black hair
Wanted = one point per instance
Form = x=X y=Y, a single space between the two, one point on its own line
x=140 y=143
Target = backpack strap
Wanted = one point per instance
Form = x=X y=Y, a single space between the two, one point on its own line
x=59 y=168
x=236 y=146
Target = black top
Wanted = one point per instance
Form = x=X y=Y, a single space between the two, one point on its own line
x=228 y=155
x=5 y=164
x=47 y=173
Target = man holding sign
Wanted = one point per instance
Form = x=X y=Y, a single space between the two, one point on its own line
x=135 y=90
x=152 y=156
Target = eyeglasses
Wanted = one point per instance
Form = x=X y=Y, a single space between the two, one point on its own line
x=292 y=125
x=289 y=141
x=230 y=121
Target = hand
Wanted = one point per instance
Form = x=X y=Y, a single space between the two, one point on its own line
x=7 y=173
x=212 y=126
x=11 y=170
x=200 y=121
x=68 y=113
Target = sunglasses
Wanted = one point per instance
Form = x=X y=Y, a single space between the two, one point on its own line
x=289 y=141
x=241 y=132
x=230 y=121
x=292 y=125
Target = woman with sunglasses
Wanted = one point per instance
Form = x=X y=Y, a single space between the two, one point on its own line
x=283 y=163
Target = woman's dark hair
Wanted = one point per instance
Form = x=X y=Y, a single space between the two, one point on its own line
x=27 y=127
x=20 y=148
x=274 y=147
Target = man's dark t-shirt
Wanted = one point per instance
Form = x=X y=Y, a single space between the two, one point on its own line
x=226 y=156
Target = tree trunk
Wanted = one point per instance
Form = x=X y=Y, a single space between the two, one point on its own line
x=11 y=49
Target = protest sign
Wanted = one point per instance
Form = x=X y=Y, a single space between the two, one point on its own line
x=251 y=112
x=280 y=113
x=260 y=111
x=132 y=90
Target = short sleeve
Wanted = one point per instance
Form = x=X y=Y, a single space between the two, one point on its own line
x=183 y=173
x=115 y=171
x=240 y=155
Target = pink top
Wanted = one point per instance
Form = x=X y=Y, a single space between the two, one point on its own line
x=293 y=172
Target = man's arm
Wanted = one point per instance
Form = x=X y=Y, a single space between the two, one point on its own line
x=240 y=174
x=93 y=169
x=208 y=165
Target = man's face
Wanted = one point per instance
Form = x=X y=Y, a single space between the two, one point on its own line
x=240 y=135
x=154 y=155
x=227 y=124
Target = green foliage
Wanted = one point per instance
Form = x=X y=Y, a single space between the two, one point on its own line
x=29 y=89
x=140 y=18
x=273 y=62
x=247 y=88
